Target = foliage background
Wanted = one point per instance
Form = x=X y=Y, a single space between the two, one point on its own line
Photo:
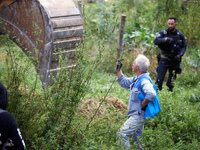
x=86 y=110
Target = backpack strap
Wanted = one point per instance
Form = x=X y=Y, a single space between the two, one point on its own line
x=140 y=80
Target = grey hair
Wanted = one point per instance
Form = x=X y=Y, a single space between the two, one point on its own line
x=143 y=63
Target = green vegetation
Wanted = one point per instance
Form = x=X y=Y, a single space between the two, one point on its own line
x=86 y=110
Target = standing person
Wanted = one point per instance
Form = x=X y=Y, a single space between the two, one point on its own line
x=133 y=127
x=10 y=135
x=172 y=45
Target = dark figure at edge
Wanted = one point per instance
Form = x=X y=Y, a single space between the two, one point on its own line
x=10 y=135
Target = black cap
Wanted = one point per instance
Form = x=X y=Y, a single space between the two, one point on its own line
x=3 y=97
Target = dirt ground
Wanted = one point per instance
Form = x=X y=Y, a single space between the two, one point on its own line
x=89 y=107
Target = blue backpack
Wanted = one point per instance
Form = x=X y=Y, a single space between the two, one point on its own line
x=152 y=108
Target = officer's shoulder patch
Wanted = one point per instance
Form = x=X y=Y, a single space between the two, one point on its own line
x=164 y=31
x=158 y=35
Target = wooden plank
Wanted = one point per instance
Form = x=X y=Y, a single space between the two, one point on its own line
x=64 y=22
x=66 y=44
x=121 y=33
x=67 y=34
x=63 y=12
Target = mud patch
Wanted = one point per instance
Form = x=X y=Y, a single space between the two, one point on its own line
x=116 y=102
x=89 y=107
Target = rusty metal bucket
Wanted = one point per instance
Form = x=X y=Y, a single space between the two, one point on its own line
x=40 y=27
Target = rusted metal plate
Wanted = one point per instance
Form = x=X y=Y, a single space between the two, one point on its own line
x=68 y=33
x=56 y=65
x=26 y=43
x=65 y=54
x=28 y=16
x=29 y=26
x=63 y=12
x=68 y=28
x=4 y=3
x=57 y=4
x=66 y=22
x=66 y=44
x=54 y=72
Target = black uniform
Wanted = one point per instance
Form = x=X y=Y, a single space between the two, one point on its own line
x=8 y=126
x=170 y=57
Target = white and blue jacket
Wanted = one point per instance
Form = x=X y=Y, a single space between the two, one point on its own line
x=134 y=105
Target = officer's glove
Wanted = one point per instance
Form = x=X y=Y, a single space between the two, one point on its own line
x=118 y=65
x=177 y=58
x=169 y=40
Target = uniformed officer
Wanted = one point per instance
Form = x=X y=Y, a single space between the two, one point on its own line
x=172 y=44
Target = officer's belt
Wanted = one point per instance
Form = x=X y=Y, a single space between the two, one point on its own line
x=163 y=56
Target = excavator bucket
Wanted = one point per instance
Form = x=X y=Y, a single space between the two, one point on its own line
x=40 y=28
x=4 y=3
